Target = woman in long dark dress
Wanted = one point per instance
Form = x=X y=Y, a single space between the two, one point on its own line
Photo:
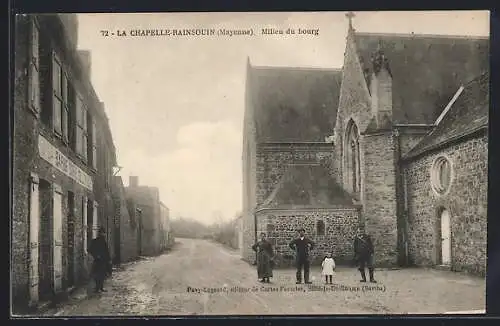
x=264 y=251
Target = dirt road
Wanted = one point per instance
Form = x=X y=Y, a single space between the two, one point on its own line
x=203 y=278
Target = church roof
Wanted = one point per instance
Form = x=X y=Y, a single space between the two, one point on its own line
x=294 y=104
x=466 y=115
x=307 y=186
x=426 y=69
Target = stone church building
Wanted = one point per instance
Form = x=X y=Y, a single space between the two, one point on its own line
x=395 y=142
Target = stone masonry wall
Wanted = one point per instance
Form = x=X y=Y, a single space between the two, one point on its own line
x=128 y=225
x=354 y=102
x=281 y=227
x=26 y=160
x=146 y=199
x=24 y=144
x=28 y=127
x=466 y=201
x=380 y=202
x=273 y=160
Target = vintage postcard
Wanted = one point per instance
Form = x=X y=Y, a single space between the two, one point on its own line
x=255 y=163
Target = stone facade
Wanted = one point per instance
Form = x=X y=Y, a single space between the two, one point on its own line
x=336 y=235
x=166 y=237
x=378 y=121
x=127 y=222
x=58 y=178
x=147 y=201
x=274 y=159
x=466 y=201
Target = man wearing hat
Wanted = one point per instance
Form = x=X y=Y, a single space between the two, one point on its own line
x=302 y=246
x=101 y=266
x=363 y=254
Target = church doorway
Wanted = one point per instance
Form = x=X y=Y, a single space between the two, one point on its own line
x=445 y=233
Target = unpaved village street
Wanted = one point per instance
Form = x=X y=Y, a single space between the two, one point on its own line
x=168 y=285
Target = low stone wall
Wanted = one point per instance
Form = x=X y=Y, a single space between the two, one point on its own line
x=340 y=226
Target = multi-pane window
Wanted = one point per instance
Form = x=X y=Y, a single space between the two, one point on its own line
x=81 y=128
x=34 y=69
x=60 y=99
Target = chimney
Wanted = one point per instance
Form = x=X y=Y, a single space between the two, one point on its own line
x=381 y=89
x=85 y=59
x=70 y=23
x=133 y=181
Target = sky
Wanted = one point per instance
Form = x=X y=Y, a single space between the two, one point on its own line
x=175 y=104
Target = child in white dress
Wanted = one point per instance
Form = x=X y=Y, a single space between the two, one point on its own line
x=328 y=265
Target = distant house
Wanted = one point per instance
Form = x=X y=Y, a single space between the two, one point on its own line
x=147 y=200
x=166 y=238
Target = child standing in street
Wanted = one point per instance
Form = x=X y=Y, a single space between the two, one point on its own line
x=328 y=265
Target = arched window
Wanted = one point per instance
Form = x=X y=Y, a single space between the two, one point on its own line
x=351 y=159
x=320 y=227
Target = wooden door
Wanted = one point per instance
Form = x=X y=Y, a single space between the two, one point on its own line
x=34 y=229
x=71 y=238
x=57 y=243
x=445 y=238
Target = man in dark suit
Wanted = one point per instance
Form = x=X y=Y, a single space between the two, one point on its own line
x=363 y=254
x=302 y=246
x=101 y=266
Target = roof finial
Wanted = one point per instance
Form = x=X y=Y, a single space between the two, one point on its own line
x=350 y=15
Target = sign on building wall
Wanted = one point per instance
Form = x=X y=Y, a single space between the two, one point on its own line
x=57 y=159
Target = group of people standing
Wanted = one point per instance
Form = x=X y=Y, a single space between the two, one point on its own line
x=302 y=245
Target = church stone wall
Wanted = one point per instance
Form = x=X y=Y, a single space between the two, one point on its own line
x=340 y=228
x=273 y=160
x=380 y=201
x=354 y=101
x=466 y=201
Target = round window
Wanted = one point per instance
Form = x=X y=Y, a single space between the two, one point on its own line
x=441 y=175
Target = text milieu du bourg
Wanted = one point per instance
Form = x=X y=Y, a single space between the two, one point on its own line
x=207 y=32
x=311 y=288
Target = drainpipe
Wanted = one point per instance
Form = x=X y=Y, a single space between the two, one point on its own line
x=400 y=211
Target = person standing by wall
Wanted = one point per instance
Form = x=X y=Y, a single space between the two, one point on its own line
x=302 y=246
x=363 y=254
x=101 y=266
x=264 y=250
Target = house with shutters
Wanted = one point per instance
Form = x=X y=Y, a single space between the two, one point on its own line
x=394 y=141
x=63 y=159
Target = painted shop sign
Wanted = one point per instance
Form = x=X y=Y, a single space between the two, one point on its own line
x=57 y=159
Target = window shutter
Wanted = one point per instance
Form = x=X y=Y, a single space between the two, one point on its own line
x=34 y=88
x=34 y=69
x=78 y=137
x=94 y=144
x=56 y=95
x=65 y=103
x=64 y=118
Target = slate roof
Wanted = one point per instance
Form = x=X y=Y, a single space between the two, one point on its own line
x=467 y=114
x=294 y=104
x=307 y=186
x=426 y=69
